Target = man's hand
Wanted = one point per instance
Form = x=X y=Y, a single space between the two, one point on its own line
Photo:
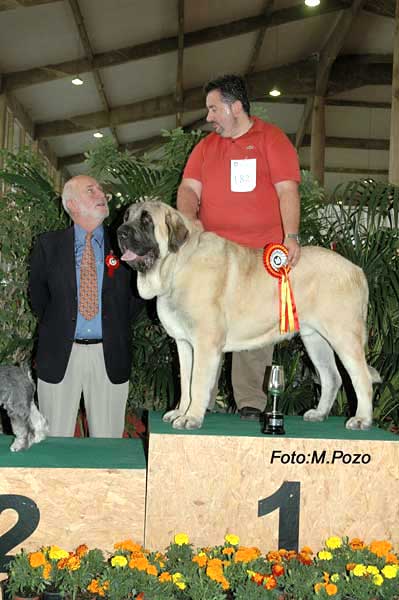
x=294 y=251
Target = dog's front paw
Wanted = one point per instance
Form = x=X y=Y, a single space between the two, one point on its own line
x=19 y=444
x=359 y=423
x=171 y=415
x=187 y=422
x=314 y=415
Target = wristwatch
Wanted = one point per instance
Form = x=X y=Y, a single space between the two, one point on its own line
x=292 y=236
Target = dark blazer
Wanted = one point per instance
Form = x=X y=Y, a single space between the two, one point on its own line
x=53 y=293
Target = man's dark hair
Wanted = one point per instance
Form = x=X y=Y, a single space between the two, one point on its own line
x=231 y=88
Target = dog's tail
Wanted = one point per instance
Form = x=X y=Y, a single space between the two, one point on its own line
x=375 y=376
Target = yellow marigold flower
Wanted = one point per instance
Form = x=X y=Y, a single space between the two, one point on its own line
x=55 y=553
x=380 y=547
x=389 y=571
x=119 y=561
x=201 y=559
x=232 y=539
x=373 y=570
x=36 y=559
x=165 y=577
x=334 y=577
x=333 y=542
x=318 y=587
x=359 y=570
x=81 y=550
x=356 y=544
x=331 y=589
x=325 y=555
x=47 y=570
x=181 y=538
x=177 y=579
x=250 y=573
x=228 y=551
x=378 y=579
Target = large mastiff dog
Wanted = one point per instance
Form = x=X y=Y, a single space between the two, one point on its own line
x=214 y=296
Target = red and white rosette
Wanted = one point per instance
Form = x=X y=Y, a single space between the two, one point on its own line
x=112 y=263
x=275 y=262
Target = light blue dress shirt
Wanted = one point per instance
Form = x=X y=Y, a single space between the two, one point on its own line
x=89 y=329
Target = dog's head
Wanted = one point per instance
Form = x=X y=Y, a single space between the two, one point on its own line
x=150 y=231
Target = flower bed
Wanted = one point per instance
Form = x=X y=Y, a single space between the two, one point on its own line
x=344 y=569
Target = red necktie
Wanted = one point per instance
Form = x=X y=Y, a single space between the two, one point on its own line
x=88 y=297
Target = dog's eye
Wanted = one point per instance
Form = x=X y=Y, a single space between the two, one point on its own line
x=145 y=218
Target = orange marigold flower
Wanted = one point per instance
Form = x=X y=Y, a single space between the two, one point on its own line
x=37 y=559
x=165 y=577
x=62 y=563
x=228 y=551
x=93 y=586
x=47 y=570
x=140 y=564
x=225 y=583
x=318 y=587
x=331 y=589
x=278 y=570
x=274 y=556
x=326 y=577
x=82 y=550
x=304 y=558
x=246 y=554
x=200 y=559
x=392 y=559
x=350 y=566
x=306 y=550
x=283 y=552
x=270 y=582
x=356 y=544
x=73 y=563
x=257 y=578
x=140 y=596
x=128 y=545
x=152 y=570
x=380 y=547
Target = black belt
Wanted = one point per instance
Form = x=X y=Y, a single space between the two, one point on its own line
x=86 y=342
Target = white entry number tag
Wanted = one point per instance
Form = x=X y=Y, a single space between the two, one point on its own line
x=243 y=175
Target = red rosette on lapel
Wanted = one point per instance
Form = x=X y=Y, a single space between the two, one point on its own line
x=275 y=263
x=112 y=263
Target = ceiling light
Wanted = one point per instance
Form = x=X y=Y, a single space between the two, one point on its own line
x=98 y=134
x=77 y=80
x=274 y=92
x=312 y=3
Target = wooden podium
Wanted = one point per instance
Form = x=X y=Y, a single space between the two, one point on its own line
x=287 y=491
x=70 y=491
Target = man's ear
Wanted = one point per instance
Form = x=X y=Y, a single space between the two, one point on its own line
x=236 y=108
x=177 y=231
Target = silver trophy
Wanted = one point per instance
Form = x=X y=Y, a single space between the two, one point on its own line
x=273 y=422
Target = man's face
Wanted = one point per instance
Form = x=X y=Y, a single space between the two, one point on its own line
x=89 y=200
x=220 y=114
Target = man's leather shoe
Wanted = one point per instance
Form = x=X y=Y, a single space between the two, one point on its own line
x=249 y=413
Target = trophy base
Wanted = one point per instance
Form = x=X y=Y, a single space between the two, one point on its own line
x=273 y=423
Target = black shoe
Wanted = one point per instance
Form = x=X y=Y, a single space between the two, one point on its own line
x=250 y=413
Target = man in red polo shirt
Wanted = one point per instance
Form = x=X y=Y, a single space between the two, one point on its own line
x=241 y=182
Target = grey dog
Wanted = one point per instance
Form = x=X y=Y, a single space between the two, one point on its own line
x=17 y=392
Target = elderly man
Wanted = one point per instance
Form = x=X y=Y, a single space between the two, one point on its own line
x=84 y=302
x=241 y=182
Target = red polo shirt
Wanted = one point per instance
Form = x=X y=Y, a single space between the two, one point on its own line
x=251 y=218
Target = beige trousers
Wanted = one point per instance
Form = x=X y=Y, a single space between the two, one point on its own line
x=248 y=376
x=105 y=402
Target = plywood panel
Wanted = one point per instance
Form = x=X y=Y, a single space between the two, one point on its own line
x=207 y=486
x=92 y=506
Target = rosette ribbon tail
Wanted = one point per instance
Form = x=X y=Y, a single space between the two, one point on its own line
x=289 y=322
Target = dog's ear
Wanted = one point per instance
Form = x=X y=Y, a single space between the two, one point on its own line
x=178 y=232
